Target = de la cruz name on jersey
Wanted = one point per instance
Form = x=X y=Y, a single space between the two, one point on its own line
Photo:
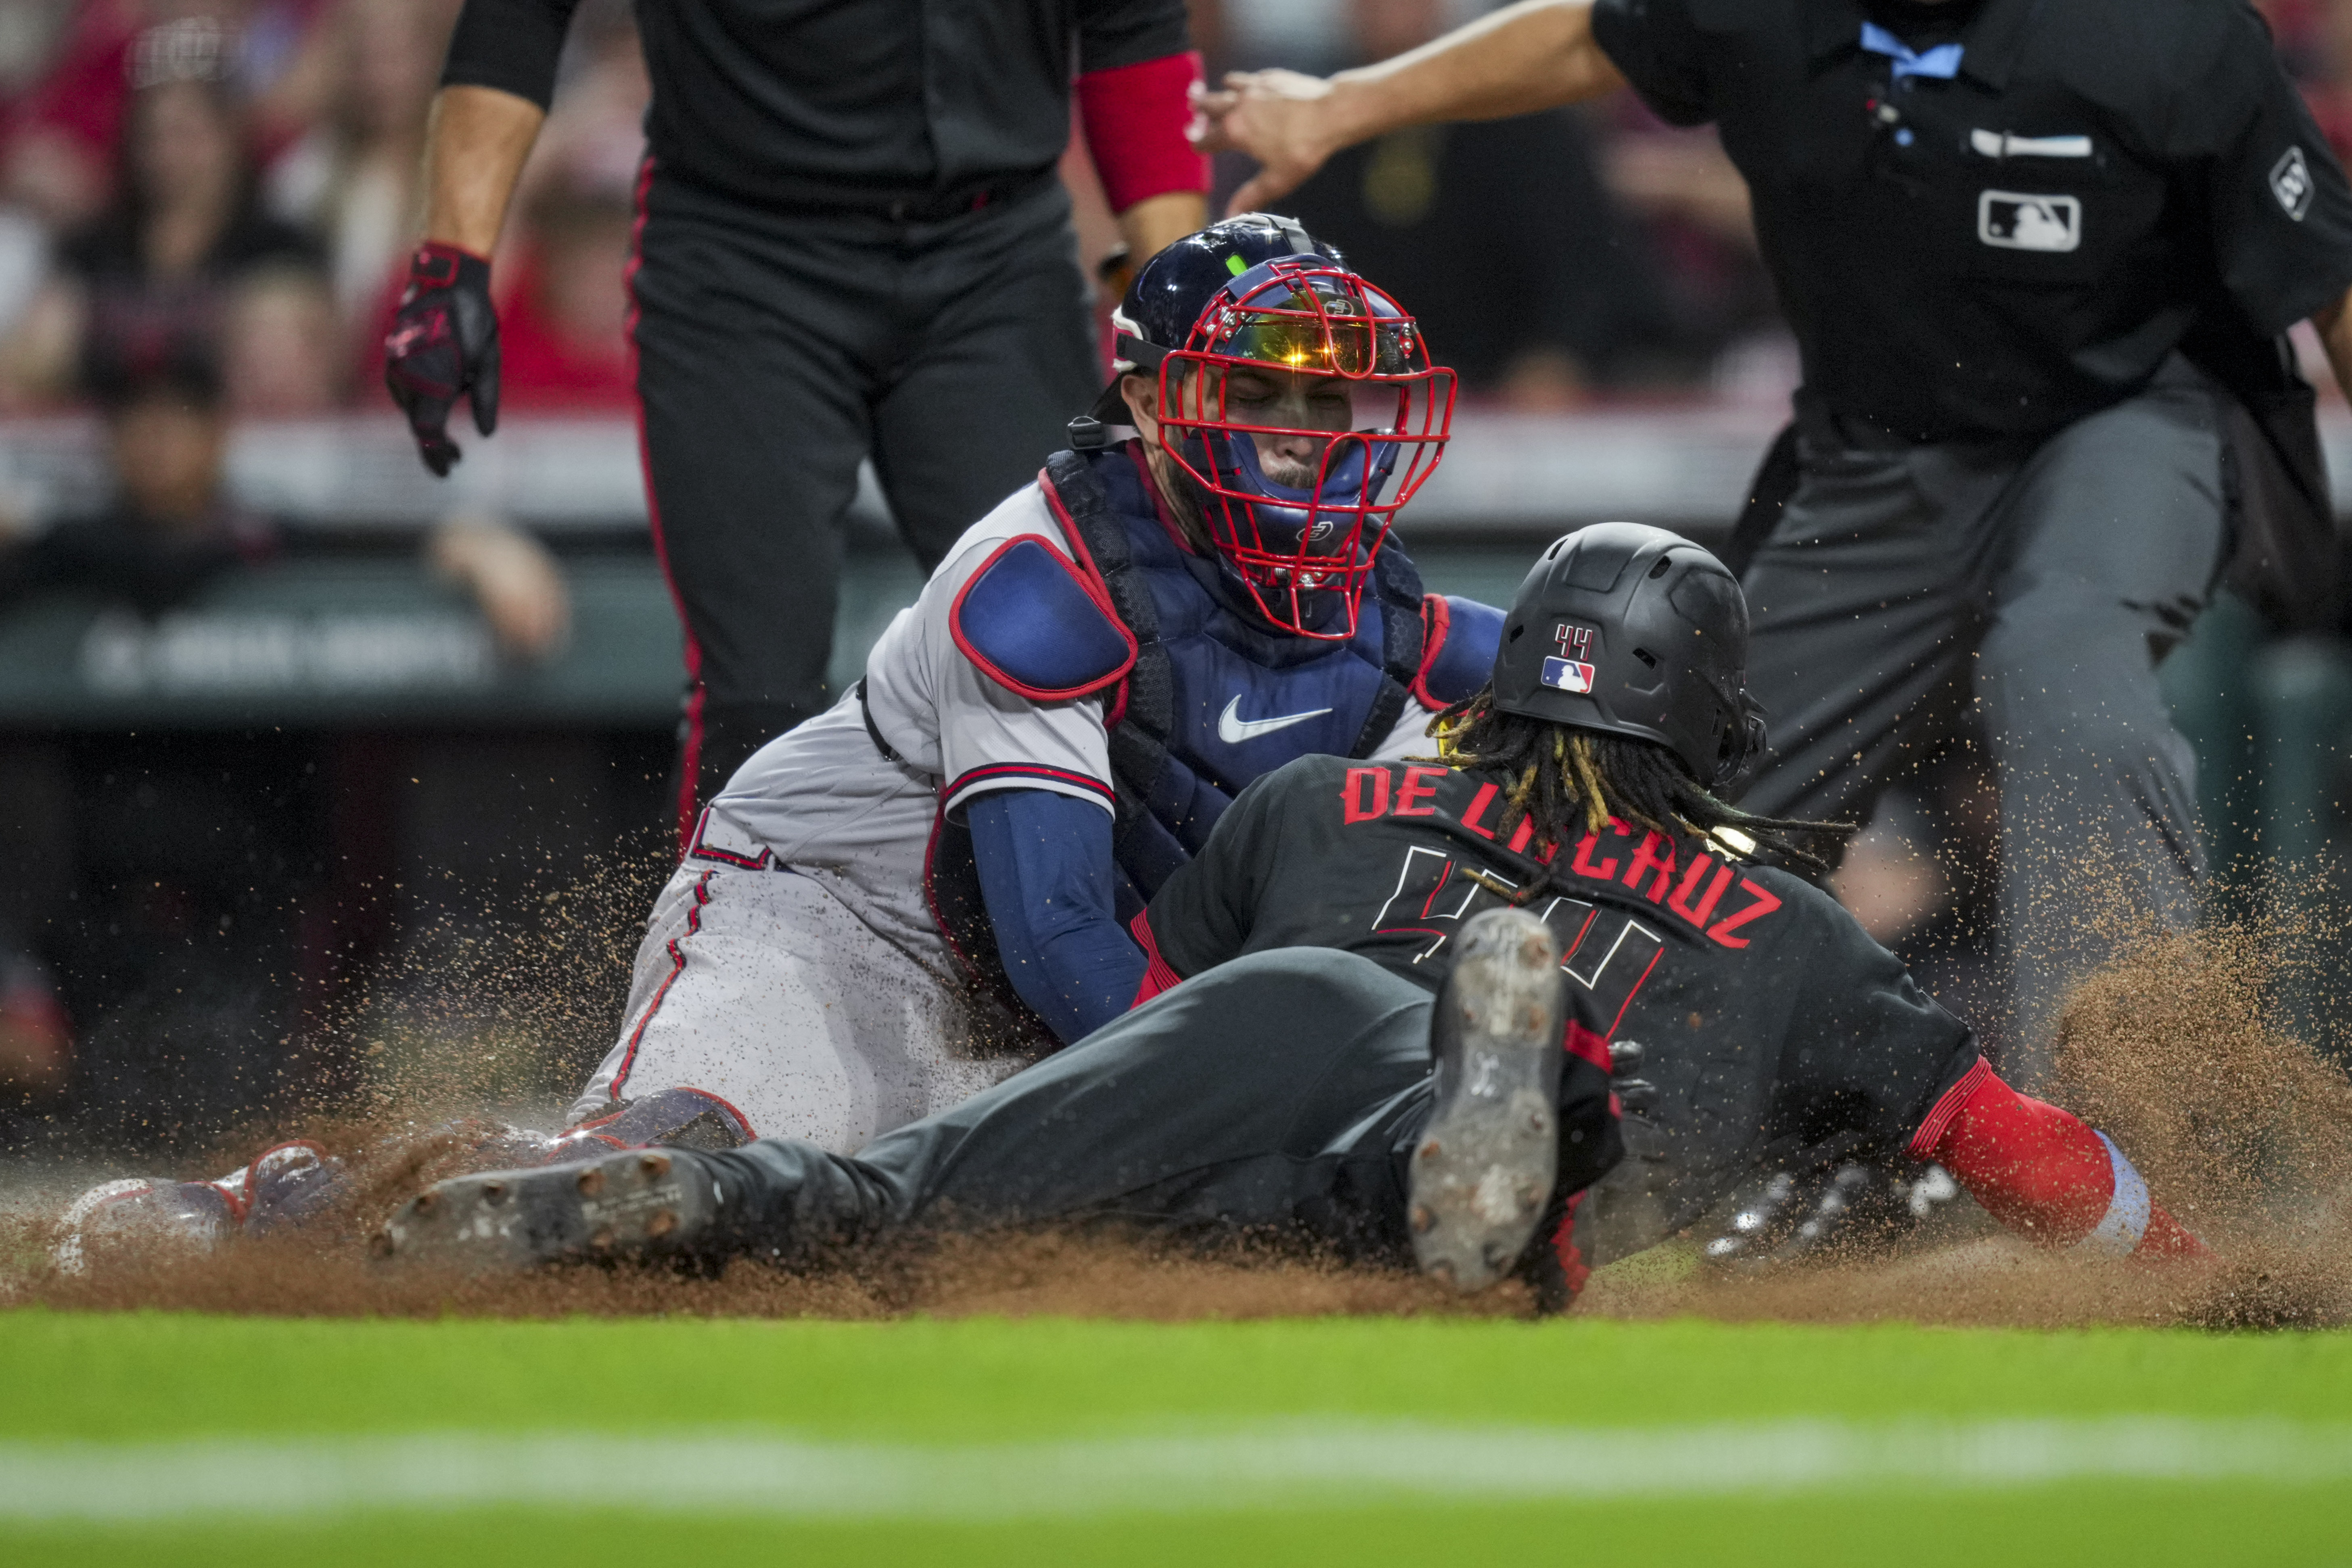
x=1389 y=859
x=1696 y=893
x=1407 y=852
x=1611 y=944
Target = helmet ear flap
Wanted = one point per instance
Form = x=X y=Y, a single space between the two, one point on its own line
x=1743 y=744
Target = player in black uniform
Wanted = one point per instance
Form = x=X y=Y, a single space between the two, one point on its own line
x=1288 y=1084
x=851 y=240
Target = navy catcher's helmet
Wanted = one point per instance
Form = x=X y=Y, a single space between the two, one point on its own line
x=1256 y=332
x=1635 y=631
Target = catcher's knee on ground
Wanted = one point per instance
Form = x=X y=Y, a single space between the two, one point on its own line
x=760 y=988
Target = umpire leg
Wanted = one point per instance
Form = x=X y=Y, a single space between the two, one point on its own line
x=997 y=357
x=751 y=382
x=2112 y=536
x=1861 y=606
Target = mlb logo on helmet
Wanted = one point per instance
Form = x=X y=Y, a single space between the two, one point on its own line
x=1572 y=670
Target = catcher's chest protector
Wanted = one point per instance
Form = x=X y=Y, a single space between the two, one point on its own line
x=1214 y=699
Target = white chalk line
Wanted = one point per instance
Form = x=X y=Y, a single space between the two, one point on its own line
x=1295 y=1465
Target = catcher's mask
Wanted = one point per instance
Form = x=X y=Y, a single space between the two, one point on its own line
x=1635 y=631
x=1299 y=403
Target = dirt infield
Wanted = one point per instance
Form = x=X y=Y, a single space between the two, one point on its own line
x=2242 y=1130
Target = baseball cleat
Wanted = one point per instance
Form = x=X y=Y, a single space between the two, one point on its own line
x=617 y=1205
x=1484 y=1168
x=143 y=1219
x=286 y=1184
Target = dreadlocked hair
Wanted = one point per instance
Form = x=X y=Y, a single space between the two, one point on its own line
x=1570 y=782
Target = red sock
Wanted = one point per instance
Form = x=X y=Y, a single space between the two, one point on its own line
x=1563 y=1240
x=2047 y=1173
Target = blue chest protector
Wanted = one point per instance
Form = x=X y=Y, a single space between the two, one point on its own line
x=1216 y=697
x=1212 y=697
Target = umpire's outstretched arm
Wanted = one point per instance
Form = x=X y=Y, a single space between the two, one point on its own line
x=1534 y=55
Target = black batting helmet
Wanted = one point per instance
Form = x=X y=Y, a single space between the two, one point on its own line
x=1635 y=631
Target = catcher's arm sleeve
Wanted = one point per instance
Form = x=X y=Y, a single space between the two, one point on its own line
x=1046 y=876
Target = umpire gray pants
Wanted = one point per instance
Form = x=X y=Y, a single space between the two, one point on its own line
x=2042 y=583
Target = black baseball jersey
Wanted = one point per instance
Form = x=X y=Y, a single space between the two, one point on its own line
x=840 y=102
x=1770 y=1025
x=2014 y=227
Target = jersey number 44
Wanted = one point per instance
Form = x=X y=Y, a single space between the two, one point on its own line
x=1608 y=954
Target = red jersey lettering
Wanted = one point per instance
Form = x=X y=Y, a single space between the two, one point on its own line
x=1656 y=854
x=1362 y=781
x=1698 y=914
x=1420 y=784
x=1582 y=864
x=1479 y=805
x=1764 y=905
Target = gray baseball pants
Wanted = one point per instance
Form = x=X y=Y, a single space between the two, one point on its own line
x=2042 y=583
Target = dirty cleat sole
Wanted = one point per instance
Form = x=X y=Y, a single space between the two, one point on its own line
x=623 y=1205
x=1484 y=1168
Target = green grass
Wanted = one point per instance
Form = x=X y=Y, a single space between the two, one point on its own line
x=148 y=1377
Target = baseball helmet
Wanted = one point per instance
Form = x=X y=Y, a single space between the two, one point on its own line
x=1635 y=631
x=1256 y=330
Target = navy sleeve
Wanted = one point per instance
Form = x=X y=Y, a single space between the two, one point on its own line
x=1046 y=874
x=510 y=44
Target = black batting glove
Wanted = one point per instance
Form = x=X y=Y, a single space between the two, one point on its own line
x=444 y=344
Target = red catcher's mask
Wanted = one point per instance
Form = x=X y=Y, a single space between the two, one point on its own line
x=1304 y=410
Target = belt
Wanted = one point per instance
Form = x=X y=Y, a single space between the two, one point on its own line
x=923 y=206
x=873 y=731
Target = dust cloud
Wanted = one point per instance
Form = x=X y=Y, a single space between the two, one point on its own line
x=2181 y=1051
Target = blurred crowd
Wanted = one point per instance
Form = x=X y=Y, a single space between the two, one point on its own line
x=236 y=180
x=205 y=209
x=242 y=174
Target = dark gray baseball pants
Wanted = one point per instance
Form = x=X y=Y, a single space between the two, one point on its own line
x=775 y=350
x=2042 y=584
x=1279 y=1095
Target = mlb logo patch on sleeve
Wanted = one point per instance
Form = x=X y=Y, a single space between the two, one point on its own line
x=1568 y=675
x=2011 y=221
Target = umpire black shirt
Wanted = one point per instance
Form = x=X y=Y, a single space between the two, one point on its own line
x=2003 y=250
x=862 y=103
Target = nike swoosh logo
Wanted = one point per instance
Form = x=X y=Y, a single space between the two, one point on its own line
x=1233 y=729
